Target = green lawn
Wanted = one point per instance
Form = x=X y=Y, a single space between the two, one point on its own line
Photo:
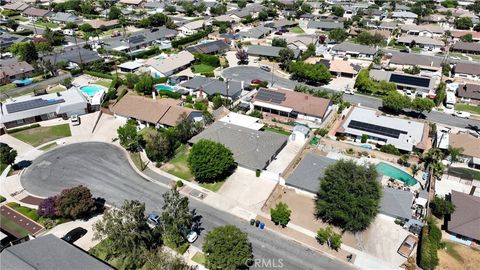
x=467 y=108
x=46 y=24
x=48 y=146
x=199 y=257
x=213 y=186
x=101 y=252
x=202 y=68
x=464 y=173
x=29 y=212
x=41 y=135
x=277 y=130
x=104 y=83
x=12 y=226
x=296 y=30
x=178 y=166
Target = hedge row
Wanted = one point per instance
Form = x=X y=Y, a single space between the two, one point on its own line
x=99 y=74
x=190 y=39
x=23 y=128
x=147 y=53
x=430 y=242
x=170 y=94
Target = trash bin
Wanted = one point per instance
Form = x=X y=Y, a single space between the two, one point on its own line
x=252 y=222
x=257 y=223
x=262 y=226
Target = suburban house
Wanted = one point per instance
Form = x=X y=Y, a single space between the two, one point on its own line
x=36 y=254
x=405 y=135
x=255 y=32
x=397 y=203
x=139 y=39
x=389 y=26
x=466 y=140
x=205 y=87
x=354 y=50
x=36 y=13
x=458 y=34
x=14 y=70
x=252 y=149
x=468 y=71
x=423 y=30
x=213 y=47
x=148 y=112
x=242 y=120
x=341 y=68
x=16 y=6
x=64 y=18
x=469 y=92
x=7 y=39
x=400 y=61
x=465 y=220
x=30 y=109
x=193 y=27
x=306 y=175
x=466 y=47
x=300 y=42
x=268 y=51
x=428 y=43
x=324 y=25
x=132 y=3
x=404 y=81
x=293 y=105
x=405 y=16
x=281 y=24
x=73 y=56
x=171 y=65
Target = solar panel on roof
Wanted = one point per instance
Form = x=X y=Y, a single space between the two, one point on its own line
x=390 y=132
x=31 y=104
x=270 y=96
x=410 y=80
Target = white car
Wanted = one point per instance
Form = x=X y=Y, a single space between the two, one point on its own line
x=349 y=91
x=192 y=236
x=265 y=68
x=461 y=114
x=75 y=120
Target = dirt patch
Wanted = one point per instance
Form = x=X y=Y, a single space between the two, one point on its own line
x=467 y=258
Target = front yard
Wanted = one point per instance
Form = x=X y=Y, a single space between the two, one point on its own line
x=202 y=68
x=296 y=30
x=40 y=135
x=46 y=24
x=178 y=165
x=467 y=108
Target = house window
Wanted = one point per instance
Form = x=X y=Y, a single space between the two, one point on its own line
x=20 y=121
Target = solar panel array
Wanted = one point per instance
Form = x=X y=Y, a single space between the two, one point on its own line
x=390 y=132
x=270 y=96
x=410 y=80
x=31 y=104
x=136 y=39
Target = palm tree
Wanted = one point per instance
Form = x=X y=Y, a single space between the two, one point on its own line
x=415 y=169
x=454 y=153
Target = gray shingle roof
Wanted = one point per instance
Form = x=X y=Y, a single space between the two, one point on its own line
x=74 y=54
x=209 y=47
x=465 y=220
x=48 y=253
x=396 y=203
x=352 y=47
x=212 y=86
x=415 y=59
x=309 y=170
x=268 y=51
x=143 y=37
x=324 y=25
x=251 y=148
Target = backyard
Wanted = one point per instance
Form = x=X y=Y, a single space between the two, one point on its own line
x=202 y=68
x=296 y=30
x=39 y=135
x=467 y=108
x=464 y=173
x=277 y=130
x=456 y=256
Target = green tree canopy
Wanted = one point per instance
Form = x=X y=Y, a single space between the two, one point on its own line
x=210 y=161
x=441 y=93
x=128 y=136
x=227 y=247
x=159 y=259
x=463 y=23
x=309 y=72
x=26 y=51
x=366 y=38
x=338 y=10
x=7 y=155
x=279 y=42
x=422 y=105
x=158 y=147
x=286 y=56
x=54 y=38
x=76 y=202
x=145 y=84
x=176 y=217
x=349 y=195
x=327 y=235
x=467 y=38
x=114 y=13
x=441 y=207
x=338 y=35
x=280 y=214
x=395 y=101
x=242 y=3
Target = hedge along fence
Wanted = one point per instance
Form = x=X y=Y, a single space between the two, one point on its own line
x=99 y=74
x=190 y=39
x=23 y=128
x=147 y=53
x=430 y=242
x=170 y=94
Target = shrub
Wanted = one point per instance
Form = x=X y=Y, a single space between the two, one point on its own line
x=2 y=199
x=48 y=208
x=209 y=74
x=327 y=235
x=441 y=207
x=189 y=39
x=321 y=132
x=170 y=94
x=257 y=114
x=429 y=245
x=210 y=161
x=179 y=183
x=364 y=138
x=390 y=149
x=280 y=214
x=76 y=202
x=13 y=130
x=99 y=74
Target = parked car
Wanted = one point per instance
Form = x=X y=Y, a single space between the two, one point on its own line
x=461 y=114
x=265 y=68
x=256 y=81
x=283 y=30
x=153 y=219
x=349 y=91
x=74 y=235
x=407 y=246
x=278 y=33
x=192 y=236
x=75 y=120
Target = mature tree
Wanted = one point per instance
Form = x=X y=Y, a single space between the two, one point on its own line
x=86 y=27
x=217 y=101
x=366 y=38
x=422 y=105
x=130 y=80
x=454 y=153
x=415 y=168
x=185 y=128
x=127 y=233
x=475 y=7
x=157 y=147
x=218 y=10
x=159 y=259
x=412 y=70
x=43 y=47
x=54 y=38
x=338 y=11
x=48 y=207
x=467 y=38
x=309 y=72
x=280 y=214
x=441 y=207
x=349 y=195
x=7 y=155
x=327 y=235
x=286 y=56
x=12 y=24
x=242 y=3
x=279 y=42
x=145 y=84
x=227 y=247
x=176 y=217
x=338 y=35
x=210 y=161
x=170 y=9
x=242 y=56
x=450 y=3
x=440 y=94
x=26 y=51
x=263 y=15
x=76 y=202
x=128 y=136
x=114 y=13
x=463 y=23
x=395 y=101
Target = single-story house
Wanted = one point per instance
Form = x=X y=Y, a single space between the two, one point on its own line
x=205 y=87
x=74 y=56
x=30 y=109
x=423 y=30
x=421 y=41
x=214 y=47
x=354 y=50
x=406 y=16
x=16 y=6
x=324 y=25
x=102 y=23
x=281 y=24
x=256 y=32
x=306 y=176
x=341 y=68
x=64 y=17
x=466 y=47
x=390 y=26
x=139 y=39
x=14 y=70
x=405 y=135
x=406 y=81
x=400 y=61
x=268 y=51
x=469 y=92
x=295 y=105
x=7 y=39
x=191 y=28
x=396 y=203
x=251 y=149
x=467 y=141
x=37 y=254
x=301 y=42
x=469 y=71
x=458 y=34
x=465 y=220
x=163 y=112
x=242 y=120
x=130 y=66
x=171 y=65
x=36 y=13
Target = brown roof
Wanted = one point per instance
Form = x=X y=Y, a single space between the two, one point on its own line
x=302 y=103
x=465 y=220
x=15 y=68
x=459 y=34
x=469 y=90
x=466 y=46
x=36 y=12
x=164 y=111
x=465 y=141
x=342 y=66
x=467 y=68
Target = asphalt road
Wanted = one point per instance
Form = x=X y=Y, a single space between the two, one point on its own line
x=248 y=73
x=105 y=170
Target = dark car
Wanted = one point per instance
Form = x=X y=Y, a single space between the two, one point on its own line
x=283 y=30
x=278 y=33
x=74 y=235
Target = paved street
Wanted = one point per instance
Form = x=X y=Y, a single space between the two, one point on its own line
x=248 y=73
x=105 y=170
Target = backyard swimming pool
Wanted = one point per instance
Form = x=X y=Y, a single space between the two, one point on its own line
x=91 y=89
x=395 y=173
x=162 y=87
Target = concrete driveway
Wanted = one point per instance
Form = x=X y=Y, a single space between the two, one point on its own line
x=340 y=83
x=285 y=157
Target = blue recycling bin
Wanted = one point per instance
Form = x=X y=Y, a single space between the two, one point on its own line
x=262 y=226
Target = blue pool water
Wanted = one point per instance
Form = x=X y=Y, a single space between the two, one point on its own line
x=366 y=146
x=23 y=82
x=395 y=173
x=91 y=89
x=162 y=87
